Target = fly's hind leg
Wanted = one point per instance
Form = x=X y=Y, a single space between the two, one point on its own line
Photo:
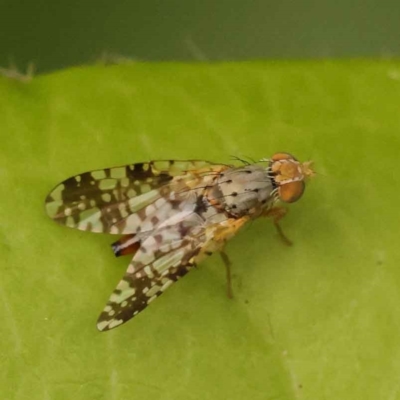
x=227 y=263
x=277 y=213
x=221 y=235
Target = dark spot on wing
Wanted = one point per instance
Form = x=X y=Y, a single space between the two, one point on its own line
x=200 y=206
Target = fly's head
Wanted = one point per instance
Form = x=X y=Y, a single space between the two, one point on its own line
x=289 y=175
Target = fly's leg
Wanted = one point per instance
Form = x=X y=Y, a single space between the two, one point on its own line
x=220 y=235
x=227 y=263
x=277 y=213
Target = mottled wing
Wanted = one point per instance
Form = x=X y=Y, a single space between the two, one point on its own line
x=161 y=260
x=102 y=200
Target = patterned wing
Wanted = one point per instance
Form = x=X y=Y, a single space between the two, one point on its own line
x=161 y=260
x=102 y=200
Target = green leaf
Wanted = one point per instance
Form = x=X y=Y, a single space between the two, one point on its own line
x=319 y=320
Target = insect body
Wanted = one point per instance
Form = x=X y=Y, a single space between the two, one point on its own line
x=171 y=215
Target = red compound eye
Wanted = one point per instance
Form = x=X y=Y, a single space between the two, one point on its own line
x=291 y=192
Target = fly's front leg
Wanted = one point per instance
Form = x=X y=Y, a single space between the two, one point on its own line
x=277 y=213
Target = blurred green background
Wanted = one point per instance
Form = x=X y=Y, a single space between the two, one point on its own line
x=55 y=34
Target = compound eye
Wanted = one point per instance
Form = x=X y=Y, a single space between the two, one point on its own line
x=291 y=192
x=282 y=156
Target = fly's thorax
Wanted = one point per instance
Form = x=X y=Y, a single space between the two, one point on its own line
x=242 y=191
